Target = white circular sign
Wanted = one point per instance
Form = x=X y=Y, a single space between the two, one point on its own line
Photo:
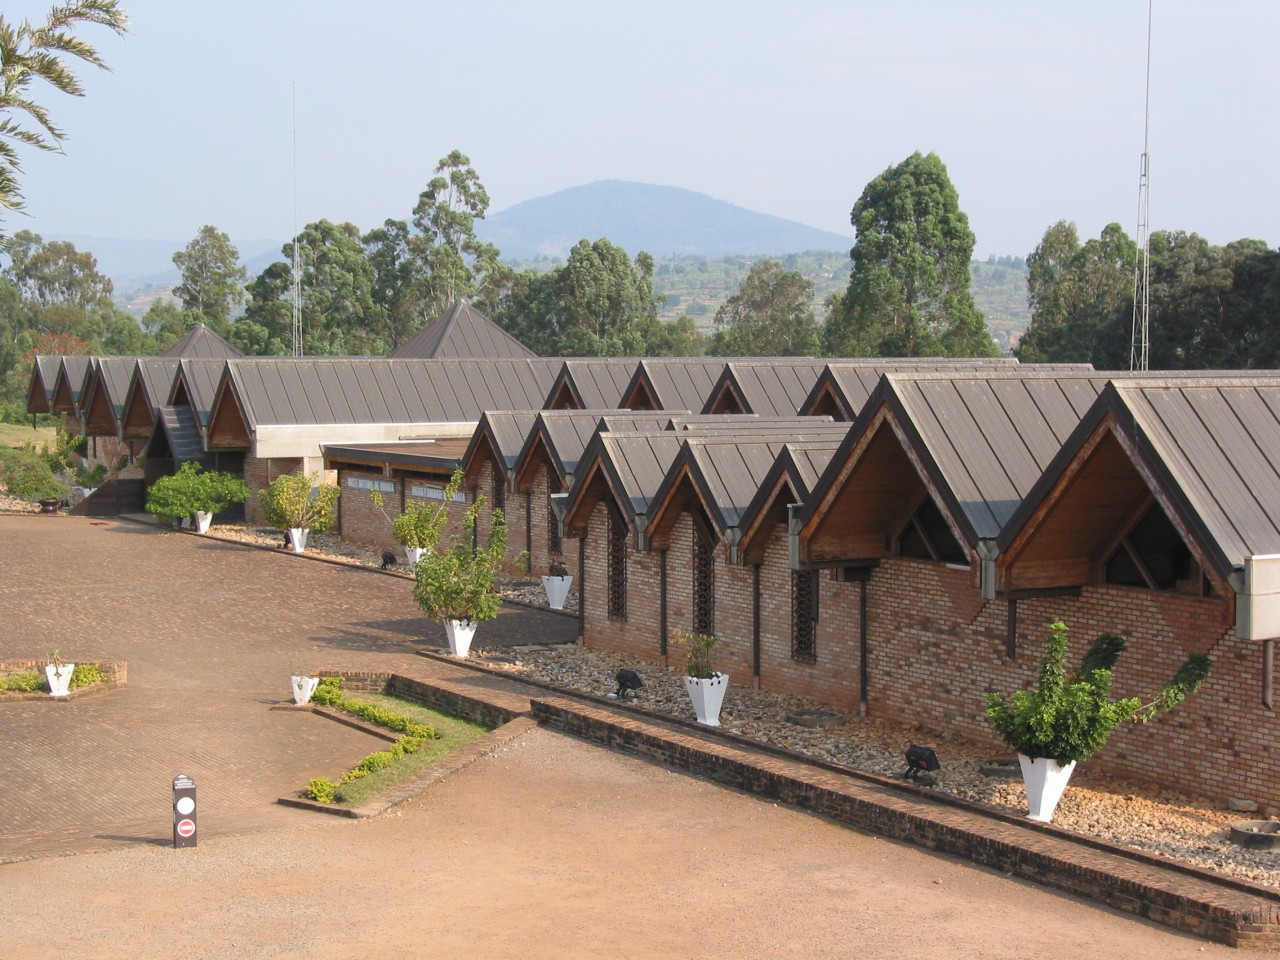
x=185 y=805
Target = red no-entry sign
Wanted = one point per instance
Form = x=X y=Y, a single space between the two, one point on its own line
x=186 y=828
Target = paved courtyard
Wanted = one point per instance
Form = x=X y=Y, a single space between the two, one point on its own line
x=549 y=848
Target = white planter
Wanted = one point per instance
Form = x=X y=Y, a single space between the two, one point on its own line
x=203 y=520
x=59 y=678
x=1046 y=780
x=460 y=633
x=707 y=697
x=557 y=590
x=298 y=539
x=412 y=555
x=303 y=688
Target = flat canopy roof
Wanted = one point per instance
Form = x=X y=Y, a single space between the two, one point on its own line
x=445 y=452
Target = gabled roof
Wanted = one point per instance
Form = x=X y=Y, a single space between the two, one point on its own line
x=767 y=388
x=500 y=435
x=106 y=387
x=672 y=384
x=462 y=333
x=843 y=387
x=195 y=384
x=789 y=481
x=591 y=383
x=558 y=437
x=149 y=387
x=368 y=390
x=624 y=469
x=974 y=442
x=44 y=373
x=721 y=476
x=1207 y=449
x=202 y=343
x=68 y=383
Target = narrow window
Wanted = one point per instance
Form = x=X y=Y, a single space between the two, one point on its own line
x=554 y=546
x=704 y=581
x=617 y=566
x=804 y=615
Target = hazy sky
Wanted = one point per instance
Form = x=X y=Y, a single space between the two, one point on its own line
x=787 y=108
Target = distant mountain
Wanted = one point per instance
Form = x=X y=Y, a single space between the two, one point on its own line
x=664 y=221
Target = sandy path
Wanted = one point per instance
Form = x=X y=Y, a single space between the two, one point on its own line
x=556 y=849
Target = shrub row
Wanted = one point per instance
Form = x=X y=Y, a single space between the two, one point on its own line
x=329 y=693
x=29 y=681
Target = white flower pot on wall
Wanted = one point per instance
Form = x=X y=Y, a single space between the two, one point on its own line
x=59 y=675
x=460 y=633
x=707 y=696
x=557 y=591
x=303 y=688
x=412 y=555
x=298 y=539
x=203 y=520
x=1046 y=780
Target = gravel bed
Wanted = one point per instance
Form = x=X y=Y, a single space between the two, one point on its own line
x=1187 y=829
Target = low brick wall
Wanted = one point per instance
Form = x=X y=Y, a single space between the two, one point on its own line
x=1230 y=912
x=456 y=699
x=115 y=673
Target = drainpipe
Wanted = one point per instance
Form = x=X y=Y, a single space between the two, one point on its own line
x=987 y=553
x=793 y=535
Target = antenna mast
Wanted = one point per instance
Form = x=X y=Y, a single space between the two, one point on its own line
x=1140 y=345
x=297 y=246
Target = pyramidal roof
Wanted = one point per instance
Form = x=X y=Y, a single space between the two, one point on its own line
x=462 y=333
x=202 y=343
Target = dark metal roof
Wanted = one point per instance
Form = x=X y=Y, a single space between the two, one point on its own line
x=111 y=377
x=44 y=373
x=677 y=384
x=1212 y=443
x=594 y=382
x=633 y=465
x=199 y=379
x=851 y=381
x=154 y=378
x=367 y=390
x=772 y=388
x=462 y=333
x=202 y=343
x=505 y=432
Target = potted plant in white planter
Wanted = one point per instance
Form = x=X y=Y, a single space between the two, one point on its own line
x=706 y=687
x=1068 y=717
x=59 y=675
x=292 y=502
x=418 y=529
x=193 y=492
x=557 y=583
x=303 y=687
x=454 y=585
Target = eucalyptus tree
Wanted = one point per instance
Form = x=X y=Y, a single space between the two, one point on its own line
x=770 y=315
x=908 y=294
x=212 y=277
x=36 y=52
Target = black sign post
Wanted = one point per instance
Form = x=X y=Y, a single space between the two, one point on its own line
x=184 y=811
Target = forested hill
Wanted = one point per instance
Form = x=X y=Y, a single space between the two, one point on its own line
x=663 y=221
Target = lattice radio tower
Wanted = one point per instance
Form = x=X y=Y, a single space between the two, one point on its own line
x=1140 y=345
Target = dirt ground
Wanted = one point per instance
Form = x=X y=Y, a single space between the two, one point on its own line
x=553 y=848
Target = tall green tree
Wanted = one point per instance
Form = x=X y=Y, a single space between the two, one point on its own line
x=1077 y=294
x=55 y=273
x=454 y=263
x=336 y=297
x=36 y=52
x=771 y=315
x=398 y=287
x=908 y=293
x=212 y=277
x=599 y=304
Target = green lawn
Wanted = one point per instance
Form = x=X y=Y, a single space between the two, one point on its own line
x=16 y=434
x=452 y=734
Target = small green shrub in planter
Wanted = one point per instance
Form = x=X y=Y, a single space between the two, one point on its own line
x=191 y=491
x=422 y=523
x=456 y=583
x=292 y=501
x=1069 y=717
x=698 y=647
x=28 y=681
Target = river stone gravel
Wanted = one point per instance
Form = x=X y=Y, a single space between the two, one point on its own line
x=1187 y=829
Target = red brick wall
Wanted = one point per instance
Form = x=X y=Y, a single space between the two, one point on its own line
x=363 y=522
x=479 y=482
x=538 y=506
x=935 y=649
x=258 y=473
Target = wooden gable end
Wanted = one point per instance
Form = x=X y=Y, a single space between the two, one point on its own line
x=534 y=459
x=136 y=421
x=562 y=397
x=682 y=494
x=228 y=427
x=825 y=402
x=63 y=400
x=37 y=393
x=639 y=396
x=99 y=417
x=593 y=488
x=726 y=400
x=482 y=451
x=1099 y=495
x=875 y=492
x=760 y=526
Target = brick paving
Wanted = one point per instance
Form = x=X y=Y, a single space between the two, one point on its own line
x=211 y=632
